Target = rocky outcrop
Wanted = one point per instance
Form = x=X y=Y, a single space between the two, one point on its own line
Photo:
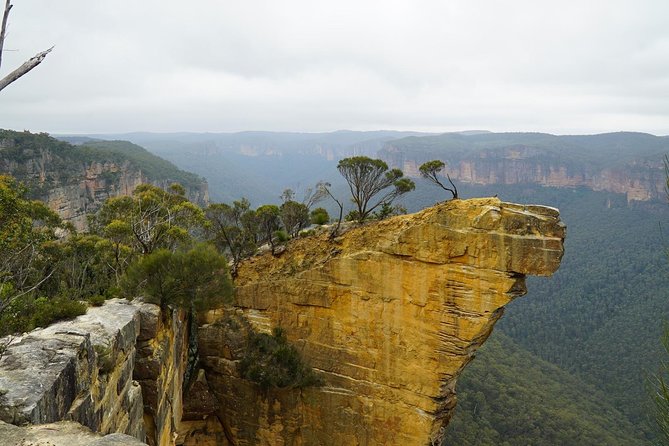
x=638 y=180
x=388 y=314
x=117 y=369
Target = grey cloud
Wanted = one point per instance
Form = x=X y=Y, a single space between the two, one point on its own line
x=167 y=65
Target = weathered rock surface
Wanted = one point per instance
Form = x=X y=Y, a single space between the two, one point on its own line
x=63 y=433
x=388 y=314
x=117 y=369
x=159 y=369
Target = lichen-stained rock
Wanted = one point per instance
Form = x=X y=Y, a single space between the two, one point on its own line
x=79 y=370
x=64 y=433
x=388 y=314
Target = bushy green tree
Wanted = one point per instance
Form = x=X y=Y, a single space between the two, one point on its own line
x=271 y=361
x=367 y=178
x=320 y=216
x=195 y=279
x=150 y=219
x=25 y=226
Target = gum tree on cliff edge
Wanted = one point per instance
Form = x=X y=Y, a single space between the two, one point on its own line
x=27 y=65
x=431 y=169
x=367 y=178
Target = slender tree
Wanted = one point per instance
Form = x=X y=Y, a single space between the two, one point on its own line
x=323 y=190
x=430 y=170
x=231 y=230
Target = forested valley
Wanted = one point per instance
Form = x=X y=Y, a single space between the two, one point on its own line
x=567 y=364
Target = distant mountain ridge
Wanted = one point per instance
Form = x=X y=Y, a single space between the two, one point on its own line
x=260 y=165
x=626 y=163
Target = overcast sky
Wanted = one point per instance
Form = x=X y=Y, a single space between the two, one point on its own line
x=165 y=65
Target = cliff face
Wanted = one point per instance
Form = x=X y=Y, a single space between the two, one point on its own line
x=116 y=369
x=74 y=181
x=388 y=315
x=638 y=180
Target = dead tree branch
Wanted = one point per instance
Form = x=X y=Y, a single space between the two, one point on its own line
x=28 y=65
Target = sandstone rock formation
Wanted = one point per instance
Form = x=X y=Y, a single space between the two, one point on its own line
x=116 y=369
x=388 y=314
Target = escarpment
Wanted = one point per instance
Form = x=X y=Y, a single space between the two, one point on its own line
x=388 y=314
x=641 y=179
x=74 y=181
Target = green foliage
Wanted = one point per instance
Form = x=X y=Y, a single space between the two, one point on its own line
x=319 y=216
x=25 y=227
x=271 y=361
x=151 y=219
x=269 y=221
x=27 y=312
x=367 y=178
x=509 y=397
x=658 y=385
x=96 y=300
x=195 y=279
x=82 y=266
x=232 y=229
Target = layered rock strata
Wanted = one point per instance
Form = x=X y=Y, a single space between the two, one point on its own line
x=388 y=314
x=117 y=369
x=638 y=180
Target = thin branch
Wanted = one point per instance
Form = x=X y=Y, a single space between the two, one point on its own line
x=23 y=69
x=3 y=30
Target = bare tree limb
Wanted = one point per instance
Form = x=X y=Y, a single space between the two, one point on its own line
x=28 y=65
x=23 y=69
x=3 y=30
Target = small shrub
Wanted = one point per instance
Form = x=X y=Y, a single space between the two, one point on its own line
x=320 y=216
x=97 y=300
x=271 y=361
x=28 y=312
x=281 y=236
x=48 y=311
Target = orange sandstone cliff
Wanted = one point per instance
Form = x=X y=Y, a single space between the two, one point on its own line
x=388 y=314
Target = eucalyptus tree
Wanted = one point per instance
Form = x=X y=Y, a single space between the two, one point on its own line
x=368 y=178
x=430 y=171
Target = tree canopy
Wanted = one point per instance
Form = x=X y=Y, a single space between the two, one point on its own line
x=367 y=178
